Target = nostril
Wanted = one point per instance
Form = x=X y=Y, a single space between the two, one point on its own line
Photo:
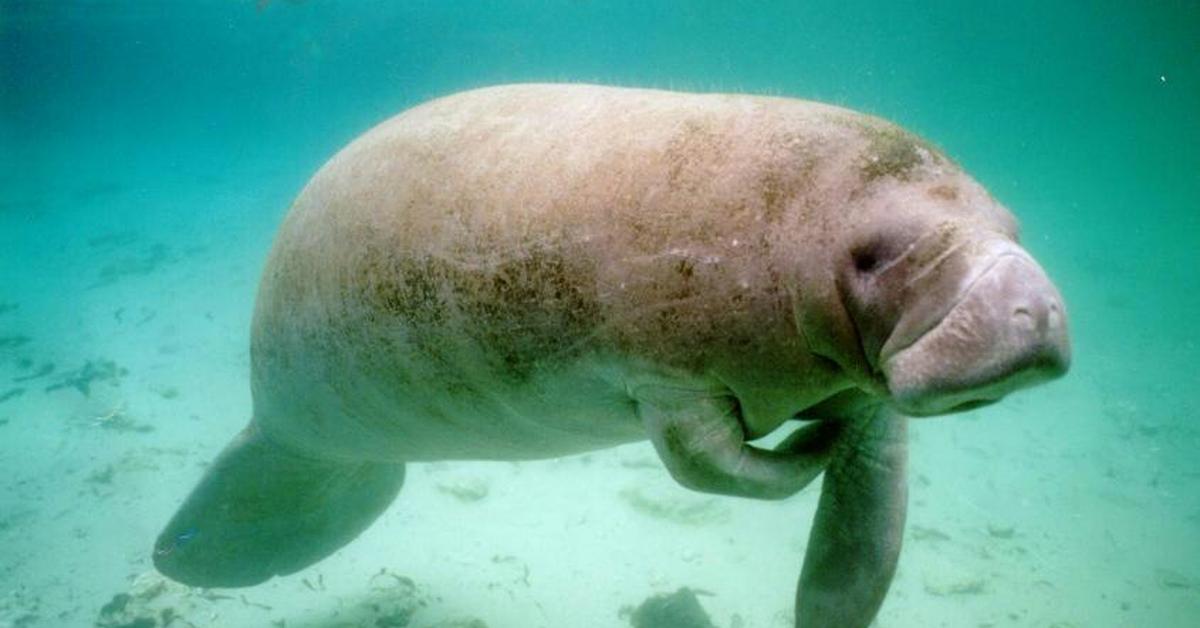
x=1023 y=317
x=1055 y=319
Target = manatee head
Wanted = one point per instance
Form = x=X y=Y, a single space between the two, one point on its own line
x=950 y=312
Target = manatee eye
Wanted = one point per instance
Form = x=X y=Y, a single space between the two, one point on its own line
x=877 y=252
x=865 y=260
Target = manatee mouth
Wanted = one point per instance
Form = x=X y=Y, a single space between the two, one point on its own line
x=913 y=327
x=1005 y=331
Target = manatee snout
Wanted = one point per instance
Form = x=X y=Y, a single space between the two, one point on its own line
x=1007 y=331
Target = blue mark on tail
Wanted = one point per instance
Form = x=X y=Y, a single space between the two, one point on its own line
x=181 y=539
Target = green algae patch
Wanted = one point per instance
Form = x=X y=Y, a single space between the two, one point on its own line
x=892 y=152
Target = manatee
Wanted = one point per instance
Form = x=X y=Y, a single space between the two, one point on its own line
x=531 y=271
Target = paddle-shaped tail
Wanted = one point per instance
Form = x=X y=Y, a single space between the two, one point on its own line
x=261 y=510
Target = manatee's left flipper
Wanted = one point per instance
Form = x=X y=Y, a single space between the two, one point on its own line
x=701 y=441
x=855 y=541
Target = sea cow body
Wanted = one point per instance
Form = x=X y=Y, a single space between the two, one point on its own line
x=532 y=271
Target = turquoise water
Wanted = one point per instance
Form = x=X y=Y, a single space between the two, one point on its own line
x=148 y=152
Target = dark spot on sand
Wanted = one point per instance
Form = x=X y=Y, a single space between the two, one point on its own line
x=45 y=370
x=13 y=342
x=116 y=605
x=153 y=258
x=27 y=206
x=680 y=609
x=82 y=378
x=97 y=191
x=113 y=239
x=923 y=533
x=101 y=476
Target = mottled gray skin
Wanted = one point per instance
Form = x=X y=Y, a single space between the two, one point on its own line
x=532 y=271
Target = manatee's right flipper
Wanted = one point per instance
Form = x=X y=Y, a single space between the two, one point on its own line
x=700 y=439
x=855 y=540
x=262 y=511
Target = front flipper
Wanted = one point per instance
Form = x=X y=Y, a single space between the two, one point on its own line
x=700 y=439
x=262 y=510
x=855 y=540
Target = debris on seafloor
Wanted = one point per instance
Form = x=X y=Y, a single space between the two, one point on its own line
x=520 y=570
x=680 y=609
x=390 y=601
x=317 y=584
x=13 y=342
x=20 y=607
x=11 y=393
x=472 y=622
x=924 y=533
x=106 y=481
x=1000 y=531
x=151 y=259
x=101 y=476
x=167 y=392
x=116 y=419
x=950 y=585
x=10 y=520
x=113 y=239
x=144 y=315
x=465 y=489
x=677 y=508
x=82 y=378
x=152 y=601
x=46 y=369
x=1171 y=579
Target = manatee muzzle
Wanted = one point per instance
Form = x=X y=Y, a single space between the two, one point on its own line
x=1007 y=330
